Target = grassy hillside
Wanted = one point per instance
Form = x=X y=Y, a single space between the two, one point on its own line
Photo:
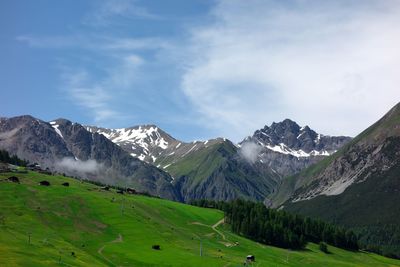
x=202 y=163
x=81 y=225
x=216 y=172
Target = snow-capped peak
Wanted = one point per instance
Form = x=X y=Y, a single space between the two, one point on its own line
x=142 y=140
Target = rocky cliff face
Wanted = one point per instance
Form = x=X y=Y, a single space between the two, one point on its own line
x=370 y=153
x=32 y=139
x=358 y=186
x=69 y=148
x=287 y=148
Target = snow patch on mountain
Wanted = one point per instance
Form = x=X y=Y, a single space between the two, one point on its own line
x=284 y=149
x=55 y=126
x=142 y=138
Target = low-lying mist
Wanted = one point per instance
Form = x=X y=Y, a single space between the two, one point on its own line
x=81 y=167
x=249 y=151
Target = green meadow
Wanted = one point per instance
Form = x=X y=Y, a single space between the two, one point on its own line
x=83 y=225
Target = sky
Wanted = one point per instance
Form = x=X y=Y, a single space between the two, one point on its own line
x=201 y=69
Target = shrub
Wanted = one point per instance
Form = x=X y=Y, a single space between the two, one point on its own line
x=323 y=247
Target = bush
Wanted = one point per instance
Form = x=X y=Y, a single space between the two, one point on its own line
x=323 y=247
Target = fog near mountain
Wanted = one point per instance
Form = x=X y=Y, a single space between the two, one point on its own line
x=250 y=151
x=81 y=167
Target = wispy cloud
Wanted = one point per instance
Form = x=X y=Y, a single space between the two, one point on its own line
x=91 y=97
x=61 y=41
x=95 y=42
x=99 y=96
x=332 y=65
x=110 y=11
x=328 y=64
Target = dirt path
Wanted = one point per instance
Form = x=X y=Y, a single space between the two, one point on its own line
x=214 y=227
x=218 y=223
x=118 y=240
x=100 y=250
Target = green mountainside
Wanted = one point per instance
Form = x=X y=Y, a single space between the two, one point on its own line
x=373 y=137
x=83 y=225
x=357 y=187
x=218 y=172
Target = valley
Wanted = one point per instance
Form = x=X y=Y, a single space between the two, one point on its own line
x=83 y=225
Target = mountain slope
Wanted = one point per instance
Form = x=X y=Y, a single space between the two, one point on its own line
x=219 y=172
x=68 y=147
x=353 y=163
x=151 y=144
x=82 y=225
x=218 y=169
x=358 y=186
x=288 y=148
x=209 y=169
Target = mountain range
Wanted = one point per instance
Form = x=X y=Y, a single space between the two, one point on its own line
x=66 y=147
x=151 y=160
x=352 y=182
x=218 y=168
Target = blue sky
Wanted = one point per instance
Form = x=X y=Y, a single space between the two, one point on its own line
x=201 y=69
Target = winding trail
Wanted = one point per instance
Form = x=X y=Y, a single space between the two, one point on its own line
x=100 y=250
x=214 y=227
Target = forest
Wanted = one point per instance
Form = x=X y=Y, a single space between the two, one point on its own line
x=6 y=158
x=279 y=228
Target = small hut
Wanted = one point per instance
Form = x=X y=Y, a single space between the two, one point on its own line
x=44 y=183
x=250 y=258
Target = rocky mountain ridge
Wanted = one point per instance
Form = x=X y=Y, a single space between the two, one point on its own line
x=214 y=169
x=288 y=148
x=69 y=148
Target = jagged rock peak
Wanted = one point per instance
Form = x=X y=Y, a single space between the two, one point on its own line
x=289 y=137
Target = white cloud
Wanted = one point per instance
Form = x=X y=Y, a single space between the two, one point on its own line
x=108 y=11
x=98 y=43
x=250 y=151
x=81 y=167
x=334 y=66
x=98 y=96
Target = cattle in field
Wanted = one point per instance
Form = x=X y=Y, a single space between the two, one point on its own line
x=13 y=179
x=131 y=191
x=44 y=183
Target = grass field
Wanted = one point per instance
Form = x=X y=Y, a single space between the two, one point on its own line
x=81 y=225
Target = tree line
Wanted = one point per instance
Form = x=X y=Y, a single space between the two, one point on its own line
x=7 y=158
x=279 y=228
